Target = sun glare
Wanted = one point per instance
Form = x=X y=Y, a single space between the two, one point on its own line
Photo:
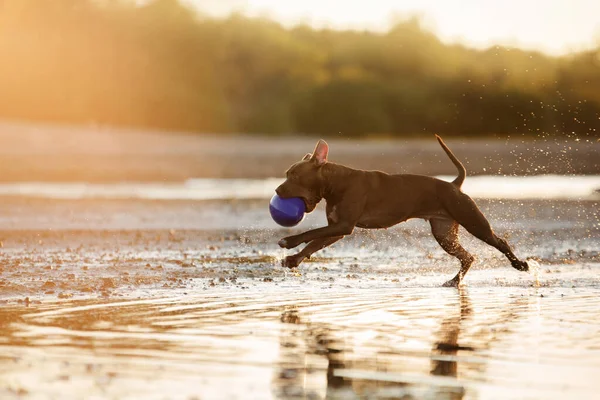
x=555 y=27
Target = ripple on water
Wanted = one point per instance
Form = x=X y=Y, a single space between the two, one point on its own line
x=504 y=342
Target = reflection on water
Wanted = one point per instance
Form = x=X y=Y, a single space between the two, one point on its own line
x=350 y=375
x=443 y=357
x=409 y=344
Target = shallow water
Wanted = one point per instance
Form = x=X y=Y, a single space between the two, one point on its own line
x=129 y=299
x=485 y=187
x=290 y=342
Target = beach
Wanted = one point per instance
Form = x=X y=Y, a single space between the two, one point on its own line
x=131 y=298
x=146 y=266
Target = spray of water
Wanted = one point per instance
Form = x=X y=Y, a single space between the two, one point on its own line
x=534 y=269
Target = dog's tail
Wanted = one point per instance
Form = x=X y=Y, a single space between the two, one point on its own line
x=462 y=172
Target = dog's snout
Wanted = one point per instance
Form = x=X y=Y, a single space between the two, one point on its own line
x=279 y=191
x=284 y=190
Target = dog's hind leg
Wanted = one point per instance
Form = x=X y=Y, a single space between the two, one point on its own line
x=294 y=260
x=446 y=233
x=466 y=213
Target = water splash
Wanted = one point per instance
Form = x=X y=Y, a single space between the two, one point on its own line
x=534 y=269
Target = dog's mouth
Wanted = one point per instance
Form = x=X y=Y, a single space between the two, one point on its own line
x=308 y=205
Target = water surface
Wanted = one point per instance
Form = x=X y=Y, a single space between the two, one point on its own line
x=290 y=342
x=485 y=186
x=136 y=297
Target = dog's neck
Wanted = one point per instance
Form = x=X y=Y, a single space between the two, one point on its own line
x=334 y=180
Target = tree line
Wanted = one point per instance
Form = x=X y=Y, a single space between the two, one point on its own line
x=164 y=65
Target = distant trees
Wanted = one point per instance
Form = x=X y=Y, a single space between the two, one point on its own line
x=162 y=65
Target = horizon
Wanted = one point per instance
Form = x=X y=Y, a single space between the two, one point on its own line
x=556 y=29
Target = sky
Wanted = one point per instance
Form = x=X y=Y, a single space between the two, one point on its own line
x=552 y=26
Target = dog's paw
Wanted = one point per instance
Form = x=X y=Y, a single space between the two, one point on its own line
x=291 y=261
x=521 y=266
x=288 y=242
x=454 y=282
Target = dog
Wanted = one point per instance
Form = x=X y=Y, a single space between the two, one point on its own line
x=375 y=199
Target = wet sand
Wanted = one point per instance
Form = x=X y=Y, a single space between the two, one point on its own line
x=186 y=299
x=292 y=342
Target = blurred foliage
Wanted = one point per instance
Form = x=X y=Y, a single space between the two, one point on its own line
x=160 y=64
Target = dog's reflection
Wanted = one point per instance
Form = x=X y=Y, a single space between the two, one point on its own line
x=307 y=349
x=303 y=347
x=443 y=355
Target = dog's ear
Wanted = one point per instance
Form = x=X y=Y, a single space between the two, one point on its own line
x=307 y=157
x=321 y=151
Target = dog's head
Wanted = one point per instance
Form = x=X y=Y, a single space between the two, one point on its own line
x=304 y=178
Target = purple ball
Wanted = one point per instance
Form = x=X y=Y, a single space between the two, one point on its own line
x=287 y=212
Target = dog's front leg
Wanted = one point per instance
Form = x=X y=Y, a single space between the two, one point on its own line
x=346 y=217
x=294 y=260
x=326 y=232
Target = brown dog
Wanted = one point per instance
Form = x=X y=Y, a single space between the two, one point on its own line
x=374 y=199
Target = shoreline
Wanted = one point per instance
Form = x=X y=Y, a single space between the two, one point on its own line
x=82 y=154
x=122 y=248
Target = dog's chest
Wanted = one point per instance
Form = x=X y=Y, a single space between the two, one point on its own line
x=371 y=220
x=379 y=218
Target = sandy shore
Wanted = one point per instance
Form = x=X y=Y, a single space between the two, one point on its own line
x=181 y=299
x=120 y=247
x=129 y=299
